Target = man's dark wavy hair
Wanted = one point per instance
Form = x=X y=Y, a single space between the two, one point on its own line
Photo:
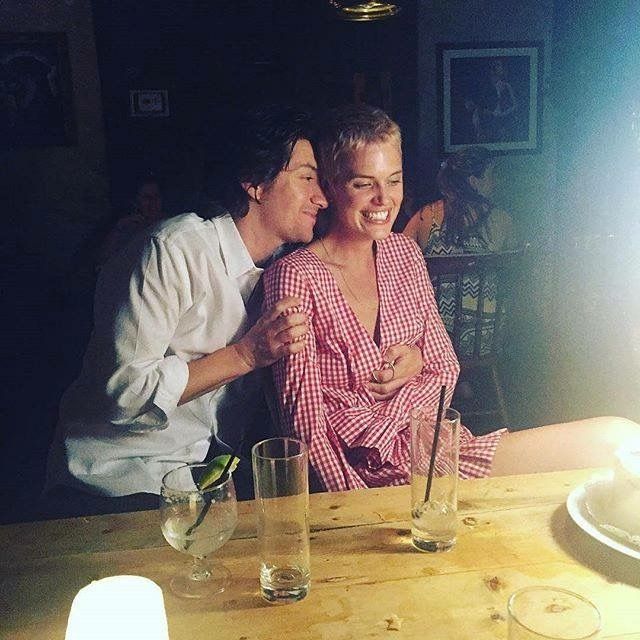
x=259 y=143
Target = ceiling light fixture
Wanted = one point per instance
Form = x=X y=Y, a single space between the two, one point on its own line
x=364 y=11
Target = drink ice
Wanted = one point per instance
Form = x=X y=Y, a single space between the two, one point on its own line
x=433 y=525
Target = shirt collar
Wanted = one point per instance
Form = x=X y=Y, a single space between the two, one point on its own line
x=233 y=250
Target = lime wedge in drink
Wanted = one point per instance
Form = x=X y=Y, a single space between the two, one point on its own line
x=214 y=470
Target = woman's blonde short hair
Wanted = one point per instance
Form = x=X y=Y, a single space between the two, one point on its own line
x=344 y=130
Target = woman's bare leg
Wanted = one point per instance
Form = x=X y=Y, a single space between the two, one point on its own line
x=569 y=445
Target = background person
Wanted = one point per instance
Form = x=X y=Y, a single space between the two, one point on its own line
x=464 y=220
x=146 y=210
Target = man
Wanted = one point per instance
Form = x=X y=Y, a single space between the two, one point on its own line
x=171 y=326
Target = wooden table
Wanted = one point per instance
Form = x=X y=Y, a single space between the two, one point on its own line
x=514 y=531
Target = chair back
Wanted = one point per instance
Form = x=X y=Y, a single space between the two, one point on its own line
x=472 y=291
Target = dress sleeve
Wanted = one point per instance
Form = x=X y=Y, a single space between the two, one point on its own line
x=298 y=386
x=145 y=381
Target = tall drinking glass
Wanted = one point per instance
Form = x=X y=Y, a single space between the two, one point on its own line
x=280 y=476
x=434 y=478
x=197 y=522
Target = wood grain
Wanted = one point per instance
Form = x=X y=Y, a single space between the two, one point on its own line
x=366 y=576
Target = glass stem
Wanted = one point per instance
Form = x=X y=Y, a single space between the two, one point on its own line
x=200 y=570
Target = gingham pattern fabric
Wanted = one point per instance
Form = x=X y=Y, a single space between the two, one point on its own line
x=355 y=441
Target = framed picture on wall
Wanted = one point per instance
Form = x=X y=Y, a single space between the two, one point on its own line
x=35 y=90
x=490 y=94
x=149 y=103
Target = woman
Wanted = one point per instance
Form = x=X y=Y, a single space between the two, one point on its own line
x=464 y=220
x=365 y=288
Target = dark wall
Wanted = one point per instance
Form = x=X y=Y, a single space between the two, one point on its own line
x=50 y=199
x=214 y=58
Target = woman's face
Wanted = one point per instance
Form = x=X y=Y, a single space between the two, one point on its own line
x=486 y=184
x=366 y=204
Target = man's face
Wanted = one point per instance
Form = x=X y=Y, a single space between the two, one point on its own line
x=149 y=201
x=290 y=204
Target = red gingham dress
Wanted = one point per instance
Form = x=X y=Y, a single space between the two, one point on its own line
x=355 y=441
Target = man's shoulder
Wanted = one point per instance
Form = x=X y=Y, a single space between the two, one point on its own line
x=185 y=224
x=187 y=233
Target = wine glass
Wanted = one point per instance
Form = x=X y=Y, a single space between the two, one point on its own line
x=198 y=521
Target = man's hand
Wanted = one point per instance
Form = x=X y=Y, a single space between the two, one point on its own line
x=405 y=363
x=280 y=331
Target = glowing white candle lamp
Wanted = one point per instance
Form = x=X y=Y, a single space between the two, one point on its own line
x=119 y=607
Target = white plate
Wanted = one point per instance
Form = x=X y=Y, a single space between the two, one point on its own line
x=580 y=515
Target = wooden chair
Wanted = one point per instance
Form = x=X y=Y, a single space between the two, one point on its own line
x=473 y=294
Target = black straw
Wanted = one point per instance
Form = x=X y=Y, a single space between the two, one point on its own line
x=434 y=446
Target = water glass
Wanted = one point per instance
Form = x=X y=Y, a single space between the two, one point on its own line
x=197 y=522
x=434 y=478
x=280 y=477
x=551 y=613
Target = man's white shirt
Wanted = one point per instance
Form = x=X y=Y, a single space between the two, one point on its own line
x=171 y=296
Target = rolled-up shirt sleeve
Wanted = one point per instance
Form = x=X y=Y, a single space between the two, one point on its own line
x=145 y=380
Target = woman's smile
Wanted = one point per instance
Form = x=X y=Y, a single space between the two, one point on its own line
x=377 y=216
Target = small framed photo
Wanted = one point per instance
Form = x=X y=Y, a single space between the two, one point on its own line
x=149 y=103
x=490 y=94
x=36 y=101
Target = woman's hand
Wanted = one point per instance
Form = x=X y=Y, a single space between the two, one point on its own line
x=402 y=362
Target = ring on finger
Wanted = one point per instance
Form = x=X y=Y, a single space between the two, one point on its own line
x=390 y=365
